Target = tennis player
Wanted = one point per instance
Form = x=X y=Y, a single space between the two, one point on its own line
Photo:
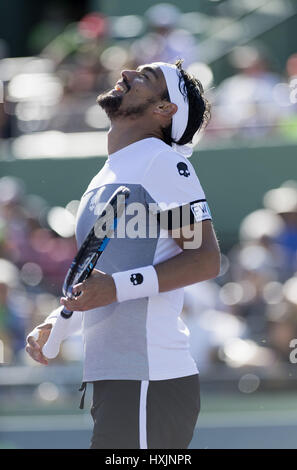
x=136 y=350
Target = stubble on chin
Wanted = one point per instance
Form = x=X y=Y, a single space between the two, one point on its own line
x=109 y=103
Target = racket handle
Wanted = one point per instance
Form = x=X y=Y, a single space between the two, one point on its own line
x=66 y=313
x=52 y=346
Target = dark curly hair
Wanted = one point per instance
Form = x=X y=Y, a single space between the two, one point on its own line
x=199 y=107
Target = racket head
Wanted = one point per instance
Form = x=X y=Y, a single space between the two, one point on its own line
x=96 y=240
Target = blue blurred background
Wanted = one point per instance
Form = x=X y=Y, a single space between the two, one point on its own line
x=56 y=56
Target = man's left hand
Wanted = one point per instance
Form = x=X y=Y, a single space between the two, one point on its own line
x=96 y=291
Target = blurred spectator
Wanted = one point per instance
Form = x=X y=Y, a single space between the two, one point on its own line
x=257 y=265
x=8 y=279
x=282 y=320
x=36 y=247
x=288 y=98
x=78 y=96
x=245 y=102
x=209 y=322
x=283 y=201
x=15 y=311
x=165 y=41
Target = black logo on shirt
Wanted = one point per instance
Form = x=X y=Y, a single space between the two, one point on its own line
x=136 y=279
x=183 y=169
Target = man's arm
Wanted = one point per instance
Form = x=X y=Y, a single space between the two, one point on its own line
x=190 y=266
x=193 y=264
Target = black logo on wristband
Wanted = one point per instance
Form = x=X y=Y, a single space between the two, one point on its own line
x=136 y=279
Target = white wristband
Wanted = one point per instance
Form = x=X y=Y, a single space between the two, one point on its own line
x=136 y=283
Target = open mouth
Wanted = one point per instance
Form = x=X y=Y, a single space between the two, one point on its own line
x=122 y=86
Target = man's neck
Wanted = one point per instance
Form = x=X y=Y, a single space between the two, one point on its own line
x=120 y=136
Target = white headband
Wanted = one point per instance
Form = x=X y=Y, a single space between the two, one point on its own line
x=180 y=118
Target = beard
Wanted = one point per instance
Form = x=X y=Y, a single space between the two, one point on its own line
x=111 y=104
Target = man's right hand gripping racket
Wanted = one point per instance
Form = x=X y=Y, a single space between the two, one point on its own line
x=85 y=261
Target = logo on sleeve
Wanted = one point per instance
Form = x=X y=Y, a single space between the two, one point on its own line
x=136 y=279
x=200 y=210
x=183 y=169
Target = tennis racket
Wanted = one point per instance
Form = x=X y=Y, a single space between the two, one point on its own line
x=85 y=261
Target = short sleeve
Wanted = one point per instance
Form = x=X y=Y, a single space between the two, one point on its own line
x=172 y=188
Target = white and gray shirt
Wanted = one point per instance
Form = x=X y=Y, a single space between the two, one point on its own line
x=140 y=339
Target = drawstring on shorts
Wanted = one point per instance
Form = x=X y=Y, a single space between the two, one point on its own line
x=83 y=388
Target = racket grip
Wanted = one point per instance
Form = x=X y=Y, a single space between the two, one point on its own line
x=52 y=346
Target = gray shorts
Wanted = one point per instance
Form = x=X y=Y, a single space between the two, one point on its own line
x=132 y=414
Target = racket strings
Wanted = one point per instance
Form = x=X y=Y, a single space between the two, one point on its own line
x=104 y=228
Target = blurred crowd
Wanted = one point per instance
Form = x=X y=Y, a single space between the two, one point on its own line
x=56 y=88
x=248 y=315
x=37 y=245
